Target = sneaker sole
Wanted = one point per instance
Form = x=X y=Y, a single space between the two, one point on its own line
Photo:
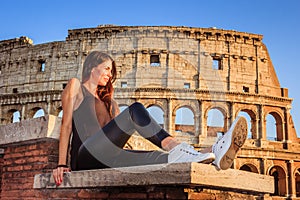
x=238 y=138
x=207 y=161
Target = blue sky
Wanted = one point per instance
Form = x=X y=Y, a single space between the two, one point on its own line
x=277 y=20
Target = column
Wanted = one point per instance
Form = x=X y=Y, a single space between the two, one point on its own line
x=23 y=112
x=231 y=114
x=202 y=121
x=197 y=124
x=169 y=116
x=197 y=117
x=49 y=106
x=262 y=169
x=261 y=124
x=291 y=179
x=286 y=126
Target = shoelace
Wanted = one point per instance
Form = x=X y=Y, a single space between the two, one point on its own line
x=217 y=142
x=188 y=147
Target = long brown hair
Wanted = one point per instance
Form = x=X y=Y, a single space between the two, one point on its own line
x=105 y=93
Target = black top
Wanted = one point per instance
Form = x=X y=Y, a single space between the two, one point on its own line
x=87 y=119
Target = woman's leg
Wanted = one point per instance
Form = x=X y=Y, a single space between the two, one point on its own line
x=104 y=149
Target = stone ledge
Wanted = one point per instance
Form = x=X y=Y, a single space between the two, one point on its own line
x=184 y=174
x=42 y=127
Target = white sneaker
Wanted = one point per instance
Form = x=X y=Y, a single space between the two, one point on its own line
x=186 y=153
x=226 y=148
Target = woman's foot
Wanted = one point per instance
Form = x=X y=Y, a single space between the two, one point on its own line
x=186 y=153
x=226 y=148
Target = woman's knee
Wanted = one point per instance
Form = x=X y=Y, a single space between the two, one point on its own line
x=136 y=106
x=139 y=114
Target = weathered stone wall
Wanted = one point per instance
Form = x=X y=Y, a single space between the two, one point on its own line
x=33 y=76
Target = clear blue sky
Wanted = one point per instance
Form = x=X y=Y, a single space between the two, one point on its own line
x=277 y=20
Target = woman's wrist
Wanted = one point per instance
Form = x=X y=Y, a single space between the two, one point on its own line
x=65 y=166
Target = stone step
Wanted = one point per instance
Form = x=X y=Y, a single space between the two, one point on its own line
x=190 y=174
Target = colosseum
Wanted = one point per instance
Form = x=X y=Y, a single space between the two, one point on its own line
x=194 y=81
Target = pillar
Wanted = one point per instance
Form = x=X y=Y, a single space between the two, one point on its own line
x=169 y=117
x=202 y=121
x=261 y=124
x=291 y=182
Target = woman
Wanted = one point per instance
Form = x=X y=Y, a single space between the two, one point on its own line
x=99 y=131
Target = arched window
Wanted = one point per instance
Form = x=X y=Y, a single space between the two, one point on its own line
x=249 y=168
x=279 y=181
x=184 y=120
x=297 y=182
x=157 y=113
x=123 y=107
x=60 y=114
x=274 y=127
x=16 y=116
x=39 y=113
x=215 y=123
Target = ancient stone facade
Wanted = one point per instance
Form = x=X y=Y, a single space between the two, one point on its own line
x=168 y=68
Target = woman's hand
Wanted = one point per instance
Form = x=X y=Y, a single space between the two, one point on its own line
x=58 y=174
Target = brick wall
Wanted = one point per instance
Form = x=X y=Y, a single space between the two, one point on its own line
x=1 y=164
x=21 y=162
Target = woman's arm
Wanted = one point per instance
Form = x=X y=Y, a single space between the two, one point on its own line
x=70 y=99
x=115 y=108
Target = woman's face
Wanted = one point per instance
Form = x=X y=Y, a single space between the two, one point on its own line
x=102 y=73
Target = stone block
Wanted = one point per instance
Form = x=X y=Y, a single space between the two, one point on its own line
x=42 y=127
x=190 y=174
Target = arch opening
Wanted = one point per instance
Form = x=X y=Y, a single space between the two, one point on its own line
x=279 y=181
x=216 y=123
x=184 y=120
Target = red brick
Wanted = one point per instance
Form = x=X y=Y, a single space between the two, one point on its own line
x=156 y=195
x=62 y=193
x=201 y=196
x=129 y=196
x=21 y=149
x=20 y=161
x=15 y=168
x=88 y=194
x=13 y=155
x=37 y=159
x=176 y=194
x=32 y=147
x=33 y=153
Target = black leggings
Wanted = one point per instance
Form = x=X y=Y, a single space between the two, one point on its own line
x=105 y=148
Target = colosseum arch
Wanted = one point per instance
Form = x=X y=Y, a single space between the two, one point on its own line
x=213 y=131
x=185 y=124
x=184 y=116
x=157 y=113
x=249 y=167
x=280 y=180
x=278 y=125
x=56 y=110
x=32 y=111
x=14 y=115
x=122 y=107
x=39 y=113
x=154 y=102
x=251 y=117
x=297 y=181
x=60 y=114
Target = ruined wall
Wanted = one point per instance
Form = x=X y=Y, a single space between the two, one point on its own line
x=227 y=70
